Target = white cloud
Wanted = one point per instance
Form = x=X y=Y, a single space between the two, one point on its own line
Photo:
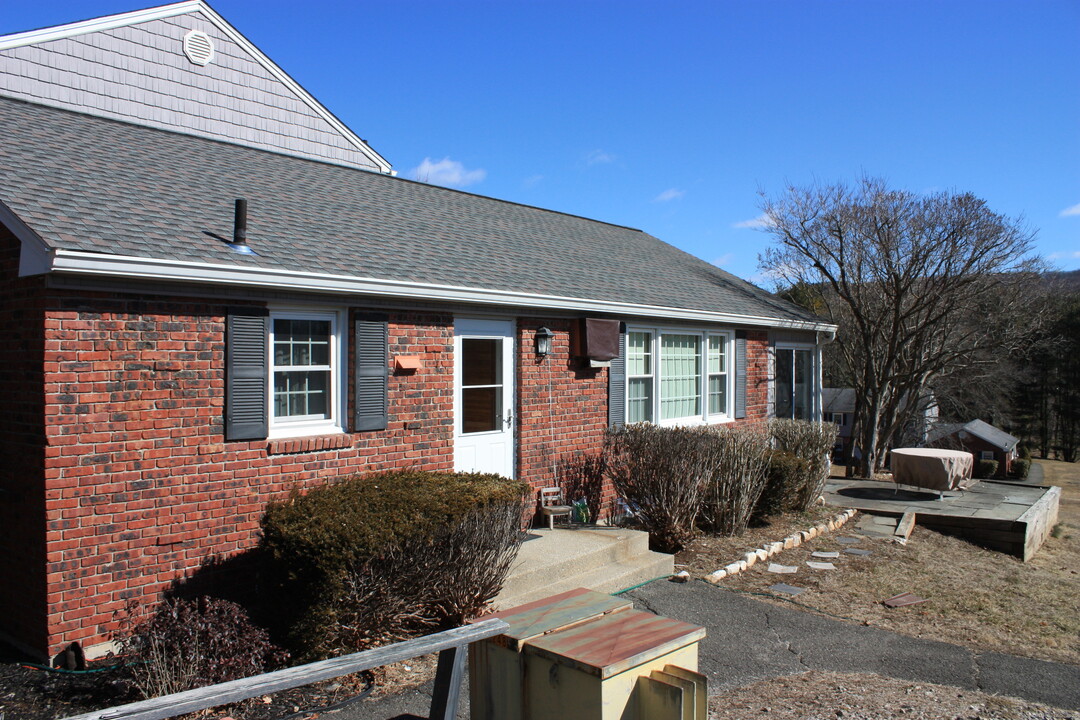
x=1073 y=210
x=723 y=259
x=532 y=181
x=447 y=172
x=761 y=221
x=669 y=195
x=599 y=157
x=1075 y=255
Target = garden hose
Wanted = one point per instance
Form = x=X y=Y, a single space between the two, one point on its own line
x=314 y=712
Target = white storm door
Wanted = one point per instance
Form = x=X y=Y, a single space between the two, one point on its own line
x=484 y=396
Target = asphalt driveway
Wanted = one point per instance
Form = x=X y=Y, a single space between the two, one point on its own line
x=750 y=640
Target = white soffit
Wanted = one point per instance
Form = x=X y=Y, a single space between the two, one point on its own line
x=109 y=22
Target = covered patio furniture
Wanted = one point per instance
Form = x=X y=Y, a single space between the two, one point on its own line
x=932 y=468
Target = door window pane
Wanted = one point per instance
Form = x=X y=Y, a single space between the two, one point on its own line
x=680 y=376
x=794 y=384
x=481 y=385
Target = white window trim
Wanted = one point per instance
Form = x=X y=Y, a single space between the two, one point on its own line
x=816 y=412
x=657 y=331
x=335 y=424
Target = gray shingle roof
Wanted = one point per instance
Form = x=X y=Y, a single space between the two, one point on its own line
x=85 y=183
x=980 y=429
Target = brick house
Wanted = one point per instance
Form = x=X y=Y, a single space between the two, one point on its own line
x=165 y=377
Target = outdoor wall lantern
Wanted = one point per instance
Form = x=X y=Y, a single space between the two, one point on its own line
x=543 y=341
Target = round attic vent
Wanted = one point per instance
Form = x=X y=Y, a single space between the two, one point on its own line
x=198 y=47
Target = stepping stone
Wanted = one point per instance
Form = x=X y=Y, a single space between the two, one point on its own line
x=820 y=565
x=787 y=589
x=903 y=599
x=847 y=540
x=825 y=554
x=857 y=551
x=782 y=569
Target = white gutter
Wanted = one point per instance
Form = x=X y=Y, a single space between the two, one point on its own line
x=124 y=266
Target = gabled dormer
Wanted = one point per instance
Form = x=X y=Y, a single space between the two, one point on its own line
x=178 y=67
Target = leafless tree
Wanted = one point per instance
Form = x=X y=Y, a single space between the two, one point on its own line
x=921 y=286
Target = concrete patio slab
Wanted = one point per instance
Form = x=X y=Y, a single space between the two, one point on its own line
x=1010 y=517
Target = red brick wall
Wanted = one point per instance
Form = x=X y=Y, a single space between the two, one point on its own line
x=142 y=487
x=121 y=402
x=22 y=431
x=757 y=375
x=562 y=405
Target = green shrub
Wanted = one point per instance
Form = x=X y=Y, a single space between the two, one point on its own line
x=737 y=479
x=985 y=468
x=786 y=476
x=387 y=555
x=813 y=442
x=1021 y=467
x=662 y=472
x=185 y=644
x=1024 y=451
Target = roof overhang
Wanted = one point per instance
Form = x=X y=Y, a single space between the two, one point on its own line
x=123 y=266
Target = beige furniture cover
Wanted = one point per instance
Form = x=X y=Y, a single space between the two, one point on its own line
x=932 y=468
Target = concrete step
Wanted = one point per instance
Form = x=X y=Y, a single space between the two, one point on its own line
x=598 y=558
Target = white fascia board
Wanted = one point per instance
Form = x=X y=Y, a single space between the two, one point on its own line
x=86 y=263
x=35 y=256
x=111 y=22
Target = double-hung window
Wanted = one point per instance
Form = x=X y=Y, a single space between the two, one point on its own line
x=305 y=370
x=677 y=376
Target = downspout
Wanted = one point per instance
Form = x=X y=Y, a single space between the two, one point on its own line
x=822 y=338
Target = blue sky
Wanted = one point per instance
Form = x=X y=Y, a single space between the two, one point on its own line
x=672 y=116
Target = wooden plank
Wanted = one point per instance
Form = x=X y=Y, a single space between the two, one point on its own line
x=905 y=526
x=169 y=706
x=447 y=690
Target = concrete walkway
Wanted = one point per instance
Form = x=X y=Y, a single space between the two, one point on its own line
x=750 y=640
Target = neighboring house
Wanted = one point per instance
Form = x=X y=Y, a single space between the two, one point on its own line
x=838 y=407
x=162 y=382
x=979 y=438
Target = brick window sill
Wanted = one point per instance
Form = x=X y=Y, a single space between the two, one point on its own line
x=316 y=443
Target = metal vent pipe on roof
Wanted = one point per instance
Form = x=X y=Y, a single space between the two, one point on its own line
x=240 y=222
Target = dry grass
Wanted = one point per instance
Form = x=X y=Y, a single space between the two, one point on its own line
x=979 y=598
x=858 y=696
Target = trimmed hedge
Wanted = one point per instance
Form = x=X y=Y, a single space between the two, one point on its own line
x=366 y=558
x=813 y=442
x=786 y=476
x=985 y=468
x=1021 y=467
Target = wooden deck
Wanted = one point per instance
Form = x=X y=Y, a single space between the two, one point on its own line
x=1009 y=517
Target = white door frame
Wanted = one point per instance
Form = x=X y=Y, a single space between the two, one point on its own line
x=494 y=450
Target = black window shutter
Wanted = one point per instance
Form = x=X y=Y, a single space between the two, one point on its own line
x=370 y=406
x=617 y=384
x=246 y=374
x=740 y=374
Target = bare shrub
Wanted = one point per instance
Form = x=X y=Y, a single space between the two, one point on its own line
x=662 y=472
x=185 y=644
x=786 y=476
x=737 y=480
x=813 y=442
x=582 y=476
x=428 y=582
